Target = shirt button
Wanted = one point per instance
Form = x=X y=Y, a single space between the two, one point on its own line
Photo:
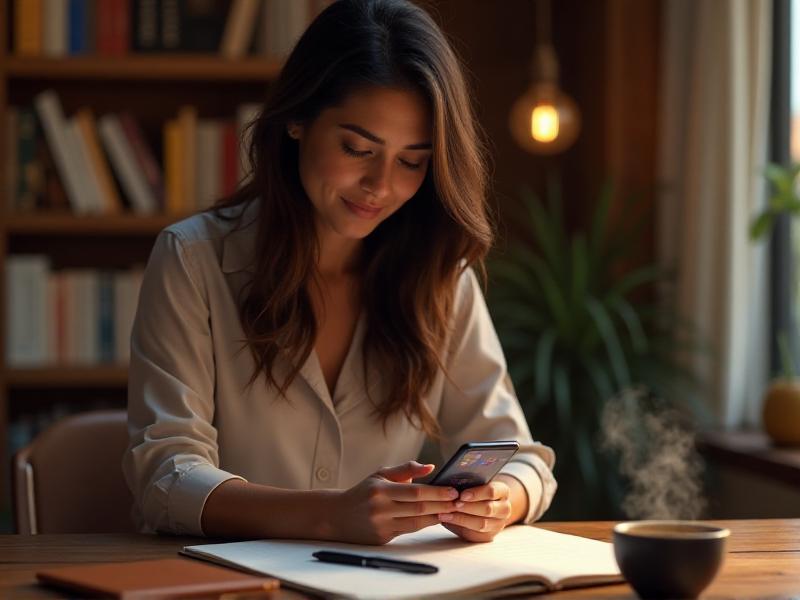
x=323 y=474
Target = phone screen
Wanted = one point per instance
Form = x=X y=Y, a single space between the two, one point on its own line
x=473 y=465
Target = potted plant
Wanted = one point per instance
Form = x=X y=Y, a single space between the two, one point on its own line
x=578 y=330
x=781 y=406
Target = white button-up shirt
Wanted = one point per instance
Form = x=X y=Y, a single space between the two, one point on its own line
x=194 y=422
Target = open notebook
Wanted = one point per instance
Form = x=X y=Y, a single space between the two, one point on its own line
x=520 y=559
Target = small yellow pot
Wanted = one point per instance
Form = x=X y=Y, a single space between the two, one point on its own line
x=782 y=412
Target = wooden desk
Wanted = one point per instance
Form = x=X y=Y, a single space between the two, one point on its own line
x=763 y=559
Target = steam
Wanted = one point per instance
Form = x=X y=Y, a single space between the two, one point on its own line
x=657 y=456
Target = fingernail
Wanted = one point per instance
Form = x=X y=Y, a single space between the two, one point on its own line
x=459 y=504
x=452 y=494
x=445 y=517
x=466 y=496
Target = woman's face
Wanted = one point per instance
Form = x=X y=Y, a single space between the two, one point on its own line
x=362 y=160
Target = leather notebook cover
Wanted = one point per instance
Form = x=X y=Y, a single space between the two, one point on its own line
x=163 y=578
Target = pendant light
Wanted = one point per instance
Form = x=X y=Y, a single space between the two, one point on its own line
x=544 y=120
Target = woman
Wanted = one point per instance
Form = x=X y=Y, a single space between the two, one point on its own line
x=324 y=320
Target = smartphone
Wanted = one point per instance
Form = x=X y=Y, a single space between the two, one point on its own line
x=474 y=464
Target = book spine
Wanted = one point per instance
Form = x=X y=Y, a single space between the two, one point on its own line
x=78 y=31
x=121 y=27
x=145 y=22
x=170 y=25
x=55 y=27
x=91 y=193
x=11 y=167
x=28 y=27
x=144 y=156
x=187 y=120
x=62 y=146
x=173 y=167
x=239 y=28
x=208 y=163
x=105 y=314
x=26 y=309
x=111 y=203
x=125 y=166
x=104 y=30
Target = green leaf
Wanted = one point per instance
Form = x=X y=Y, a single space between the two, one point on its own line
x=628 y=315
x=580 y=270
x=761 y=225
x=607 y=332
x=636 y=278
x=561 y=392
x=600 y=220
x=553 y=294
x=544 y=356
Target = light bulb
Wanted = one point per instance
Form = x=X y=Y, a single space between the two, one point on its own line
x=544 y=123
x=544 y=120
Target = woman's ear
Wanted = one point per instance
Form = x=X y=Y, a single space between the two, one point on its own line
x=295 y=130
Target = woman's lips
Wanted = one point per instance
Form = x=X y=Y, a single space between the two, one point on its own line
x=365 y=212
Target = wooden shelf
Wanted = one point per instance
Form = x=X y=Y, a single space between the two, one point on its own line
x=67 y=224
x=145 y=67
x=68 y=377
x=753 y=451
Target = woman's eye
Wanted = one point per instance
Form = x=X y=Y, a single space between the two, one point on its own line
x=353 y=152
x=410 y=165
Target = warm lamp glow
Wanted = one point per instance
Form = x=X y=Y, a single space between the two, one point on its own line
x=544 y=120
x=544 y=123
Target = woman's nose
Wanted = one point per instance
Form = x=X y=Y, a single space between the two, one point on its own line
x=376 y=180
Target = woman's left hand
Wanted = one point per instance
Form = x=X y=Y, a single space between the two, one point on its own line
x=482 y=513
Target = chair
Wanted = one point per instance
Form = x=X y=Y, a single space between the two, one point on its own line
x=69 y=478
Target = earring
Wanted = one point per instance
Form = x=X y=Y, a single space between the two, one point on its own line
x=293 y=133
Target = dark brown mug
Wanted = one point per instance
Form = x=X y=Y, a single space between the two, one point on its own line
x=669 y=559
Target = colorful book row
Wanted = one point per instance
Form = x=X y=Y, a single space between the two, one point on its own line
x=105 y=165
x=232 y=28
x=68 y=316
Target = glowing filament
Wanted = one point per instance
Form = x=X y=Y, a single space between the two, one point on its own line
x=544 y=123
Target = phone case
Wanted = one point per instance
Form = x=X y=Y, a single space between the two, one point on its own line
x=475 y=464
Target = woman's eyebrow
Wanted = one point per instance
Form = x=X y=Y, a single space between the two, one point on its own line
x=374 y=138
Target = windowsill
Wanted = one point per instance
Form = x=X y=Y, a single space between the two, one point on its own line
x=752 y=451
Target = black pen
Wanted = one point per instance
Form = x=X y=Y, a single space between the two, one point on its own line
x=374 y=562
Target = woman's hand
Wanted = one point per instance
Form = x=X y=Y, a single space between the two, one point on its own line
x=386 y=504
x=482 y=512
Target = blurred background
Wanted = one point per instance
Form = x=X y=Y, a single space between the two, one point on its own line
x=644 y=283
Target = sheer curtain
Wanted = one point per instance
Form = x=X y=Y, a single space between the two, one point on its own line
x=713 y=147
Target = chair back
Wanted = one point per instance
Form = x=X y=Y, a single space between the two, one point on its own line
x=69 y=478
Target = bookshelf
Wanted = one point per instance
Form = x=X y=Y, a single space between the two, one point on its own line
x=152 y=87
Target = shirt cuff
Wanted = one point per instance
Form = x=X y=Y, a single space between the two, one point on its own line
x=188 y=496
x=538 y=481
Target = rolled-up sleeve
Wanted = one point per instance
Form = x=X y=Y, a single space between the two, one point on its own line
x=172 y=462
x=479 y=403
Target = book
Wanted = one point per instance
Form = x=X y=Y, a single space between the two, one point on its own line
x=125 y=165
x=110 y=200
x=28 y=27
x=161 y=578
x=144 y=156
x=55 y=30
x=63 y=147
x=521 y=559
x=239 y=28
x=26 y=309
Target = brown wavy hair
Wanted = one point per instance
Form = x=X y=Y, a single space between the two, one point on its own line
x=413 y=260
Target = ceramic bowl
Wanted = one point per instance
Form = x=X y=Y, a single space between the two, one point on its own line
x=669 y=559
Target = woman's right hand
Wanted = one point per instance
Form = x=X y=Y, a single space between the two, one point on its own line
x=387 y=504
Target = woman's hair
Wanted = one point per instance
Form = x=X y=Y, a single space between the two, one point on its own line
x=412 y=261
